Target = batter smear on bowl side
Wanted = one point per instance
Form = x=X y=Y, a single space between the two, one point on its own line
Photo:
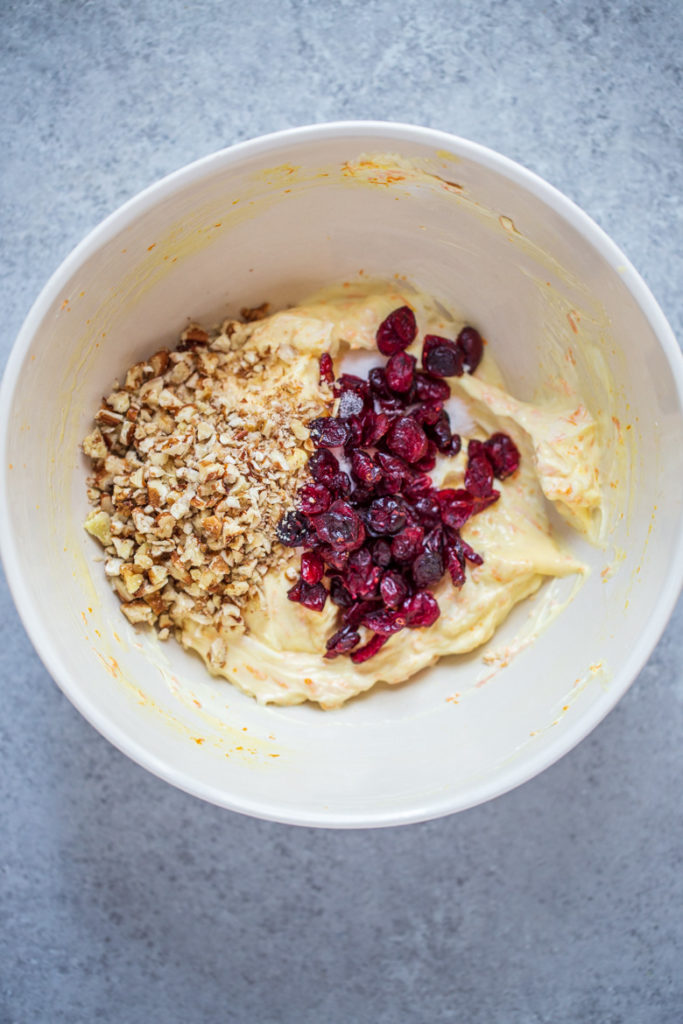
x=309 y=531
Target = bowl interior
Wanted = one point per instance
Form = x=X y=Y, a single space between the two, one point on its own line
x=274 y=220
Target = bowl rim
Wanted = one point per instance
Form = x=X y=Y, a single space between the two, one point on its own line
x=514 y=773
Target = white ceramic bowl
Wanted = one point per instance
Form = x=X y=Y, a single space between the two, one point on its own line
x=273 y=219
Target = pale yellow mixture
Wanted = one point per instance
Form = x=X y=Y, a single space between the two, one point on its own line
x=277 y=655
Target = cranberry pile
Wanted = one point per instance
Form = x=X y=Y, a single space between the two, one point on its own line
x=376 y=538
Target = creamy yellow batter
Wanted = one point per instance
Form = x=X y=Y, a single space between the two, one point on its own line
x=279 y=657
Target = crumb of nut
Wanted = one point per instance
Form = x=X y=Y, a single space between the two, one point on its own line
x=191 y=468
x=94 y=445
x=192 y=336
x=99 y=525
x=299 y=430
x=250 y=314
x=138 y=612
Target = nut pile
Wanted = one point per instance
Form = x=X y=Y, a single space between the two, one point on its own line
x=191 y=470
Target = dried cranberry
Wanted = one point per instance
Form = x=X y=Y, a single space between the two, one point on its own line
x=399 y=371
x=431 y=389
x=407 y=544
x=503 y=454
x=322 y=466
x=456 y=506
x=355 y=433
x=371 y=648
x=313 y=597
x=339 y=594
x=362 y=495
x=351 y=403
x=314 y=499
x=368 y=585
x=375 y=426
x=397 y=331
x=395 y=403
x=362 y=576
x=392 y=466
x=454 y=542
x=328 y=432
x=440 y=432
x=378 y=382
x=455 y=566
x=365 y=469
x=421 y=610
x=312 y=567
x=350 y=382
x=434 y=540
x=418 y=486
x=457 y=551
x=427 y=509
x=341 y=642
x=336 y=559
x=340 y=527
x=386 y=516
x=393 y=588
x=427 y=568
x=408 y=397
x=326 y=368
x=479 y=475
x=340 y=485
x=390 y=485
x=385 y=621
x=355 y=437
x=381 y=553
x=456 y=444
x=469 y=553
x=471 y=347
x=428 y=413
x=428 y=461
x=394 y=473
x=292 y=529
x=407 y=439
x=354 y=615
x=441 y=357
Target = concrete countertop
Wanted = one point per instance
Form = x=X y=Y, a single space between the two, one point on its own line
x=124 y=900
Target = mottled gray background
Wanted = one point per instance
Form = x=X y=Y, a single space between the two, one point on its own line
x=123 y=900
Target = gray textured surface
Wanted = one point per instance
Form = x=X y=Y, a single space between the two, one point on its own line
x=123 y=900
